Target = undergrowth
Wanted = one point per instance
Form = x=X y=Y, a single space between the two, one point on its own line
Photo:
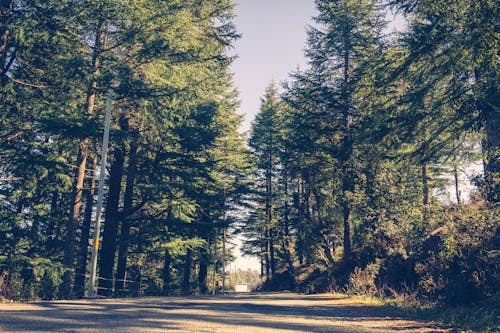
x=479 y=318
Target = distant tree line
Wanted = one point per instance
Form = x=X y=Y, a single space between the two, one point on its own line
x=177 y=164
x=354 y=159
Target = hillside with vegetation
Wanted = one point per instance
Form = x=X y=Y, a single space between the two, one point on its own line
x=377 y=166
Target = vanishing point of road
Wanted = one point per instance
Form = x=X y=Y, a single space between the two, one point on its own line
x=240 y=313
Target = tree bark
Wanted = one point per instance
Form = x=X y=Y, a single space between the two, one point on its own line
x=267 y=253
x=272 y=256
x=186 y=279
x=457 y=190
x=488 y=102
x=55 y=221
x=300 y=214
x=70 y=237
x=125 y=223
x=286 y=238
x=166 y=272
x=111 y=221
x=270 y=265
x=262 y=264
x=81 y=266
x=347 y=168
x=203 y=272
x=6 y=10
x=492 y=112
x=425 y=193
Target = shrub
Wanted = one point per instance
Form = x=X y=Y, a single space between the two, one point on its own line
x=397 y=273
x=362 y=281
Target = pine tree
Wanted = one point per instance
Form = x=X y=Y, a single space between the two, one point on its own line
x=348 y=35
x=265 y=142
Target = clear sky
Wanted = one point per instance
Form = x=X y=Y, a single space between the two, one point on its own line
x=272 y=44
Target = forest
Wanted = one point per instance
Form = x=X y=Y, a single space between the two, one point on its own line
x=373 y=171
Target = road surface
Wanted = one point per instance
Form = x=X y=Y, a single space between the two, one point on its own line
x=242 y=313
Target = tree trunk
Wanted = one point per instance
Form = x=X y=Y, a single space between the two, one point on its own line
x=300 y=215
x=493 y=149
x=347 y=148
x=203 y=272
x=166 y=272
x=223 y=259
x=286 y=238
x=6 y=9
x=81 y=266
x=347 y=217
x=267 y=254
x=271 y=252
x=70 y=237
x=111 y=221
x=269 y=216
x=214 y=286
x=307 y=221
x=55 y=223
x=457 y=191
x=186 y=280
x=347 y=185
x=262 y=265
x=125 y=223
x=425 y=193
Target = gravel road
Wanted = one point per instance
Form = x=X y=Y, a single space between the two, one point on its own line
x=241 y=313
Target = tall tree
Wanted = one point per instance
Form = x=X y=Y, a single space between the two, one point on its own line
x=265 y=142
x=349 y=33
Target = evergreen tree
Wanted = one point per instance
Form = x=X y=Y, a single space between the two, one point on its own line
x=265 y=142
x=348 y=35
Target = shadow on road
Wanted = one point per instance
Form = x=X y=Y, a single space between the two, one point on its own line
x=242 y=313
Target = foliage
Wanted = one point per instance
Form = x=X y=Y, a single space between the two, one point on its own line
x=372 y=140
x=176 y=160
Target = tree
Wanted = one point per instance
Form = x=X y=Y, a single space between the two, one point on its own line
x=454 y=46
x=265 y=142
x=349 y=34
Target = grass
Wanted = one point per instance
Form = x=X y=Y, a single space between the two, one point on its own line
x=476 y=319
x=483 y=319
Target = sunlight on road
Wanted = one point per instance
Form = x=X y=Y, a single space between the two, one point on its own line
x=267 y=312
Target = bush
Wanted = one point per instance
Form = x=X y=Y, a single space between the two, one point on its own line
x=283 y=280
x=461 y=265
x=31 y=279
x=362 y=281
x=397 y=273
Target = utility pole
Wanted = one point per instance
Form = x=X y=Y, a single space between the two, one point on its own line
x=223 y=260
x=97 y=229
x=214 y=284
x=224 y=245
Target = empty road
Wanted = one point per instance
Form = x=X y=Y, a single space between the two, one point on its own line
x=267 y=312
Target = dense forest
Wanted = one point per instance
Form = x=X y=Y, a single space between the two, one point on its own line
x=177 y=164
x=360 y=160
x=351 y=179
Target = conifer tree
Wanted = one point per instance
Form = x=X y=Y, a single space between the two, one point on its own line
x=349 y=33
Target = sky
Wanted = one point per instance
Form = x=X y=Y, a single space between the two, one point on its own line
x=271 y=46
